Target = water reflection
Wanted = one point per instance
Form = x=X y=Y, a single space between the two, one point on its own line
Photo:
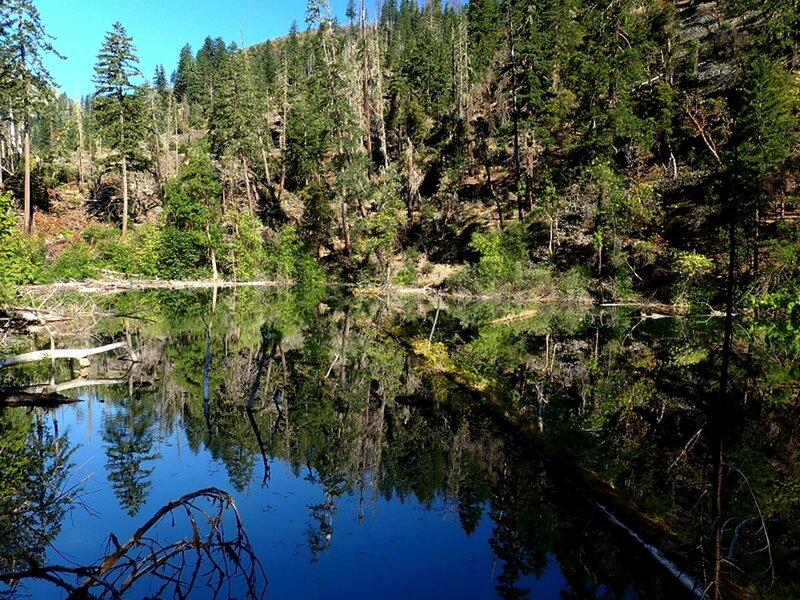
x=374 y=410
x=35 y=493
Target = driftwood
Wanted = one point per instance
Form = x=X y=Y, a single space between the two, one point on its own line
x=72 y=353
x=23 y=398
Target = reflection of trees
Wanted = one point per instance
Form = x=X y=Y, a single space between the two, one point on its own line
x=34 y=496
x=129 y=439
x=621 y=395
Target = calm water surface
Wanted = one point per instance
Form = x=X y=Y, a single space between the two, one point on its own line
x=373 y=463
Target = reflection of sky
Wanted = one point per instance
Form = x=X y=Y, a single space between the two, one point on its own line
x=400 y=549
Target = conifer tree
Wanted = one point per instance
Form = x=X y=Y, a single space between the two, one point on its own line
x=118 y=106
x=766 y=128
x=24 y=80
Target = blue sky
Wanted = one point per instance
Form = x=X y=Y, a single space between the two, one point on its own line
x=159 y=29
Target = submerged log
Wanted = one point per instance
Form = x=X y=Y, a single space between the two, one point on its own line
x=72 y=353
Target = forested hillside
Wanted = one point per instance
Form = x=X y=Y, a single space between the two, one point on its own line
x=569 y=148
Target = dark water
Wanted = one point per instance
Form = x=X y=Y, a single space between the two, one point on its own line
x=374 y=463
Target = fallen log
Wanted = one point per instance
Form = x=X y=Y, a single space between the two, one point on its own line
x=23 y=398
x=55 y=353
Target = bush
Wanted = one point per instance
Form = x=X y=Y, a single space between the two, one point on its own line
x=504 y=256
x=288 y=258
x=77 y=262
x=575 y=283
x=20 y=256
x=180 y=253
x=145 y=251
x=691 y=270
x=248 y=257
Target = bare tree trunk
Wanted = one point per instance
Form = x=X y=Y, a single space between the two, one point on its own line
x=267 y=175
x=379 y=108
x=492 y=191
x=79 y=120
x=124 y=195
x=515 y=109
x=27 y=216
x=348 y=245
x=56 y=353
x=247 y=185
x=367 y=111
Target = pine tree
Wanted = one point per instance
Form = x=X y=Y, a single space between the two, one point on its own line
x=118 y=105
x=483 y=31
x=184 y=79
x=765 y=129
x=24 y=80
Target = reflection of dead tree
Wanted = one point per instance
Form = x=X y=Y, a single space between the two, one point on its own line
x=70 y=353
x=206 y=563
x=262 y=449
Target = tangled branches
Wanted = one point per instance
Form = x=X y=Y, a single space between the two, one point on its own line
x=205 y=563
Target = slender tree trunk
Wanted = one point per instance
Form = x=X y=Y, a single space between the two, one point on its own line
x=367 y=111
x=515 y=108
x=249 y=192
x=124 y=195
x=267 y=175
x=215 y=273
x=346 y=230
x=79 y=119
x=379 y=108
x=756 y=242
x=27 y=218
x=492 y=191
x=720 y=402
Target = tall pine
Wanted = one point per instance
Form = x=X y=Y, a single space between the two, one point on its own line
x=118 y=106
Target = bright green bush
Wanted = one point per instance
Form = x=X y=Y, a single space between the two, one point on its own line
x=289 y=258
x=247 y=257
x=77 y=262
x=20 y=256
x=182 y=253
x=504 y=257
x=691 y=270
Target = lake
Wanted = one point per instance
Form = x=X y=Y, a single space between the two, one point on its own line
x=310 y=444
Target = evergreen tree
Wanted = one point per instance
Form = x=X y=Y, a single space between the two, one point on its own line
x=160 y=79
x=483 y=27
x=766 y=127
x=118 y=105
x=184 y=80
x=24 y=81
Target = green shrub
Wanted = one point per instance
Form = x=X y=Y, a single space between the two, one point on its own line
x=248 y=257
x=289 y=258
x=145 y=251
x=77 y=262
x=575 y=283
x=504 y=257
x=181 y=252
x=20 y=256
x=690 y=271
